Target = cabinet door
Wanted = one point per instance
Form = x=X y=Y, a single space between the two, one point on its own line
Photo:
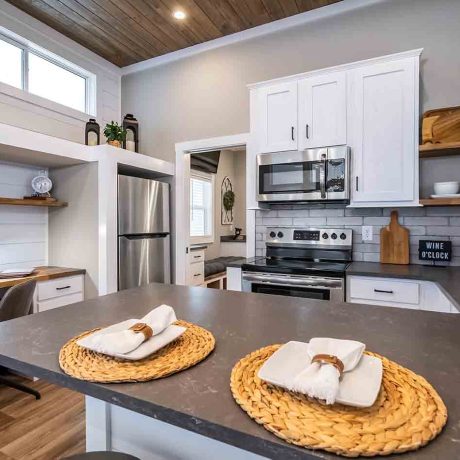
x=322 y=111
x=277 y=118
x=383 y=132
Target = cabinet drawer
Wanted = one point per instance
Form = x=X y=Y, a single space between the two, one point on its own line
x=195 y=256
x=59 y=287
x=384 y=289
x=196 y=274
x=59 y=301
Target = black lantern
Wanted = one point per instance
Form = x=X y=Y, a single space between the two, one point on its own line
x=131 y=125
x=92 y=132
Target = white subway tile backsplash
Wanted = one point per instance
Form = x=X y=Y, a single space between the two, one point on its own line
x=447 y=231
x=293 y=212
x=344 y=221
x=327 y=212
x=427 y=221
x=310 y=221
x=276 y=221
x=376 y=221
x=441 y=223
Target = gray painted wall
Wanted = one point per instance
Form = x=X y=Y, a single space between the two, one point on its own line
x=206 y=95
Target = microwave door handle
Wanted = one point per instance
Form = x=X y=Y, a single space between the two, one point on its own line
x=322 y=176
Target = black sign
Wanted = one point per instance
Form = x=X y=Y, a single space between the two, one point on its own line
x=435 y=250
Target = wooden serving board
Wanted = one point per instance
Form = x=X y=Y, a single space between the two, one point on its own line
x=394 y=242
x=441 y=126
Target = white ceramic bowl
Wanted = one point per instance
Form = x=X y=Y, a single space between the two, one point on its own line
x=446 y=188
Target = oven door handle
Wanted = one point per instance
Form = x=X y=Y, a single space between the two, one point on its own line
x=317 y=283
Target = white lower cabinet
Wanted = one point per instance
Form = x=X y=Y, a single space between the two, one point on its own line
x=233 y=278
x=58 y=292
x=195 y=268
x=402 y=293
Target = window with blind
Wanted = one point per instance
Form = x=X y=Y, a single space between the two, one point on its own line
x=201 y=208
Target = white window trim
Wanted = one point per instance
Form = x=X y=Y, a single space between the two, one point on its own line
x=24 y=95
x=207 y=239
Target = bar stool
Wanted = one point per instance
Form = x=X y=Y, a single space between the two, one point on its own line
x=102 y=456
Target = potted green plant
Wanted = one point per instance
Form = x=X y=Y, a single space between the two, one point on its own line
x=114 y=133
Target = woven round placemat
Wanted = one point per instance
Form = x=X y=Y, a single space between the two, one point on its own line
x=408 y=412
x=189 y=349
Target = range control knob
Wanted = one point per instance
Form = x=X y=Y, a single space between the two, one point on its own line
x=272 y=234
x=280 y=234
x=325 y=236
x=334 y=236
x=343 y=236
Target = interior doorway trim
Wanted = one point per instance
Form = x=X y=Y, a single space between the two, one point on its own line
x=182 y=196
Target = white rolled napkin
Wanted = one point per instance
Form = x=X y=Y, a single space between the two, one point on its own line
x=123 y=342
x=321 y=380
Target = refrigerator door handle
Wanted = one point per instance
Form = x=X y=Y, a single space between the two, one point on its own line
x=143 y=236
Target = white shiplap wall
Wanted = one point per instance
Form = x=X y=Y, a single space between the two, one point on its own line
x=23 y=229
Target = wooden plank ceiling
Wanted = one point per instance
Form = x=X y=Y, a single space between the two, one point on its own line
x=129 y=31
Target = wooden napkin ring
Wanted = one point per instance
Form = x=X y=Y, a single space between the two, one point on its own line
x=143 y=329
x=329 y=359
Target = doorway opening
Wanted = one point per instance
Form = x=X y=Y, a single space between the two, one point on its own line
x=213 y=222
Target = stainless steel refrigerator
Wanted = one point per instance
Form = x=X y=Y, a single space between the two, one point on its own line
x=144 y=247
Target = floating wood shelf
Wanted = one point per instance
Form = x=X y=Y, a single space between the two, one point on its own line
x=439 y=150
x=440 y=202
x=32 y=202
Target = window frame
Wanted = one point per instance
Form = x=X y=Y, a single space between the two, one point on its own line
x=194 y=174
x=23 y=93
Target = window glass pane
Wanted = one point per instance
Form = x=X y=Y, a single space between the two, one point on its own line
x=201 y=207
x=57 y=84
x=10 y=64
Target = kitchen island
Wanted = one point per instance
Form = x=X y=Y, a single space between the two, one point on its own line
x=192 y=414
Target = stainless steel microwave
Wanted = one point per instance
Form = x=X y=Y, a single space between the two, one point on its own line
x=310 y=175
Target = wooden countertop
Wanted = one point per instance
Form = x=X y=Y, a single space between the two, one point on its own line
x=43 y=274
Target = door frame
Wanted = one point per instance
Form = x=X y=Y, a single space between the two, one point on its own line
x=182 y=196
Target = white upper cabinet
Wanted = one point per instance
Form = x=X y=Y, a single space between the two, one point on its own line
x=322 y=111
x=276 y=117
x=383 y=133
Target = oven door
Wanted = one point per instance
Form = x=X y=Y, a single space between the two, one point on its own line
x=308 y=287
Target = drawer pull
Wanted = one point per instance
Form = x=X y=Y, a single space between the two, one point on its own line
x=383 y=292
x=197 y=274
x=62 y=288
x=197 y=257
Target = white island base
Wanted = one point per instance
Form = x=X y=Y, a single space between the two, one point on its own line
x=113 y=428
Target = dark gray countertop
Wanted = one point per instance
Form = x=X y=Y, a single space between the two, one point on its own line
x=447 y=278
x=231 y=239
x=239 y=263
x=199 y=398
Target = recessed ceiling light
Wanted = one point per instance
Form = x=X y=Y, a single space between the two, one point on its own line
x=178 y=14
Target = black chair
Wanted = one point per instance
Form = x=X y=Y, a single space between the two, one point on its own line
x=17 y=302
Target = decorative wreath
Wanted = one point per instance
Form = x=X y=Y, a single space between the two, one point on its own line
x=228 y=200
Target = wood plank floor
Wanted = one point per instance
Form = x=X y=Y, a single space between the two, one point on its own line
x=51 y=428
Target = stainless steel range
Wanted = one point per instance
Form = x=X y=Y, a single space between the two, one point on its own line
x=303 y=262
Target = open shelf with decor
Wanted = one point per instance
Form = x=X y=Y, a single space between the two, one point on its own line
x=440 y=201
x=439 y=150
x=32 y=202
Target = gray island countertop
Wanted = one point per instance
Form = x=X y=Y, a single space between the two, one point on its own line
x=199 y=398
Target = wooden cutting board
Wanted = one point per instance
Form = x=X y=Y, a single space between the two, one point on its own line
x=440 y=126
x=394 y=242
